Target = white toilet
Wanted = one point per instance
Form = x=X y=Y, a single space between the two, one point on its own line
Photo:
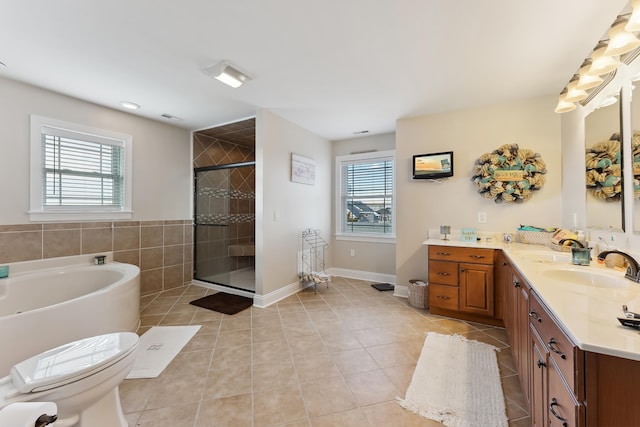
x=81 y=377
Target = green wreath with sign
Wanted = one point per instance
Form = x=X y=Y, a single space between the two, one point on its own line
x=509 y=174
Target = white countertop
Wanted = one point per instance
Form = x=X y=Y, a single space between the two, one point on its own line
x=587 y=313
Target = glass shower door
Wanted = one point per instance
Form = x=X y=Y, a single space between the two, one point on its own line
x=211 y=260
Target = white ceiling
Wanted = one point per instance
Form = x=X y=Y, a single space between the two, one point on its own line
x=334 y=67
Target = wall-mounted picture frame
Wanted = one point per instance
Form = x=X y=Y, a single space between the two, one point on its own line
x=303 y=169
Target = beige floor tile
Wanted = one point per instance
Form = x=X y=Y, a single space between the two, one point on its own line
x=231 y=381
x=392 y=414
x=351 y=418
x=316 y=366
x=253 y=368
x=354 y=361
x=327 y=396
x=271 y=351
x=390 y=355
x=372 y=387
x=231 y=411
x=177 y=416
x=277 y=406
x=270 y=375
x=233 y=338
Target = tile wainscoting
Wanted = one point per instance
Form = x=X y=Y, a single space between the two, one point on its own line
x=162 y=249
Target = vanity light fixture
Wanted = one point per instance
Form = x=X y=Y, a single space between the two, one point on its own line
x=564 y=106
x=129 y=105
x=602 y=63
x=634 y=20
x=227 y=74
x=620 y=40
x=587 y=81
x=573 y=93
x=610 y=100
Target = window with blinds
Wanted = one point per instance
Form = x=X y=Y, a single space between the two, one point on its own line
x=81 y=172
x=78 y=172
x=366 y=194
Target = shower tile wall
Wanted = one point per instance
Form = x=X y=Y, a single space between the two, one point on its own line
x=210 y=151
x=162 y=249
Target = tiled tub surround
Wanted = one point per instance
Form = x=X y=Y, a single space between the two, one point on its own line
x=162 y=249
x=338 y=357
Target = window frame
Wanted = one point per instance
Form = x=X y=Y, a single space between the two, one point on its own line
x=38 y=211
x=339 y=214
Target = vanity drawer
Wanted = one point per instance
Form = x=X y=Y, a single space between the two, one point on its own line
x=563 y=409
x=560 y=348
x=444 y=273
x=461 y=254
x=442 y=296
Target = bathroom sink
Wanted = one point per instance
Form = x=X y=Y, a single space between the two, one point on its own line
x=587 y=277
x=544 y=256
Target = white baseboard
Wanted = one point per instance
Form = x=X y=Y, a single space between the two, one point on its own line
x=399 y=291
x=263 y=301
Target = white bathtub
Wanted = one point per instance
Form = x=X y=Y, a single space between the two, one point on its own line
x=47 y=303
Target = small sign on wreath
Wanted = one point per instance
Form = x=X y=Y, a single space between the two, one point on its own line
x=509 y=174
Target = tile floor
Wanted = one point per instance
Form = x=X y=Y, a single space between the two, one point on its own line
x=338 y=357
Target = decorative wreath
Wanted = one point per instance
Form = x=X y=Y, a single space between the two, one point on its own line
x=509 y=174
x=604 y=178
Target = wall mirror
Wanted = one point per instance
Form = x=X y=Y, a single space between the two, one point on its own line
x=603 y=159
x=635 y=151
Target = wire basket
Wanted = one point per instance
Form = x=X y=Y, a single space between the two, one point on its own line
x=418 y=294
x=535 y=237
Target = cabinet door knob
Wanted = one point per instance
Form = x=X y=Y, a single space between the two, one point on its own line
x=516 y=284
x=552 y=343
x=462 y=269
x=553 y=403
x=541 y=364
x=504 y=263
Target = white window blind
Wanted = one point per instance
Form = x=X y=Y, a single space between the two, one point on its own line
x=366 y=194
x=81 y=170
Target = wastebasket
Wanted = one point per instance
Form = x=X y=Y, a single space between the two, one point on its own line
x=418 y=293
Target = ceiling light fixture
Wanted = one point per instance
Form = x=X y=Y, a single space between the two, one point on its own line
x=129 y=105
x=634 y=19
x=564 y=106
x=601 y=63
x=573 y=93
x=587 y=81
x=227 y=74
x=620 y=40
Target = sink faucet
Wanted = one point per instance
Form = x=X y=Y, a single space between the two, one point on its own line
x=577 y=242
x=633 y=269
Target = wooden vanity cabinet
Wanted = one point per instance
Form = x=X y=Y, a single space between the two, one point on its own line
x=461 y=283
x=556 y=371
x=518 y=309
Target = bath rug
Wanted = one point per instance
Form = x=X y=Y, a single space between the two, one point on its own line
x=457 y=383
x=382 y=286
x=157 y=348
x=223 y=302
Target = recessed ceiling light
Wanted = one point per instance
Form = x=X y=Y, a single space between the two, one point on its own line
x=129 y=105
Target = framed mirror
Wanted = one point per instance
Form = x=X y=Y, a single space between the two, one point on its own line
x=603 y=159
x=635 y=153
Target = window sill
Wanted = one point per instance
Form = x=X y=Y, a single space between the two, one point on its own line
x=40 y=216
x=367 y=238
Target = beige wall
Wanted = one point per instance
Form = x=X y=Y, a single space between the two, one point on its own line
x=284 y=208
x=369 y=257
x=158 y=238
x=470 y=133
x=161 y=153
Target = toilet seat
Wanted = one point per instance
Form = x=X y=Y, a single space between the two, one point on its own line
x=72 y=362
